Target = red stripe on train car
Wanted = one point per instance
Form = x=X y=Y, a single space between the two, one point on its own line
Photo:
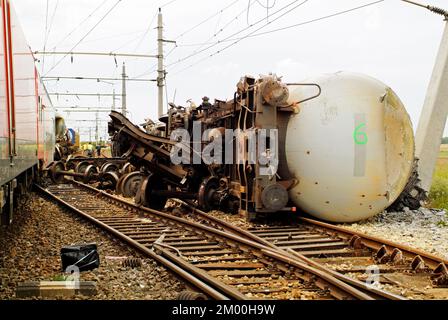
x=5 y=49
x=11 y=75
x=38 y=115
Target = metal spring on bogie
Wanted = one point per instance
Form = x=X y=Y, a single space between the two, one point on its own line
x=132 y=263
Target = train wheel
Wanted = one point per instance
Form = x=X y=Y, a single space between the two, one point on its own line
x=29 y=179
x=130 y=184
x=119 y=183
x=206 y=192
x=102 y=166
x=81 y=167
x=145 y=194
x=127 y=168
x=89 y=173
x=109 y=167
x=54 y=172
x=70 y=164
x=109 y=180
x=139 y=198
x=7 y=211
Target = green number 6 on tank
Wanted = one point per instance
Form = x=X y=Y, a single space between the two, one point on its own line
x=359 y=135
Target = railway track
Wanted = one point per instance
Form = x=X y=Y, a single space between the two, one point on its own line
x=348 y=255
x=220 y=264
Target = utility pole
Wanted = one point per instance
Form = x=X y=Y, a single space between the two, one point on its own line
x=435 y=110
x=123 y=90
x=160 y=71
x=96 y=128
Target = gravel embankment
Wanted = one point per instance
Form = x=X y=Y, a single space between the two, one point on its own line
x=425 y=229
x=29 y=251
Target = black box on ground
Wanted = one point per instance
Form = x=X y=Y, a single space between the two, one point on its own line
x=83 y=256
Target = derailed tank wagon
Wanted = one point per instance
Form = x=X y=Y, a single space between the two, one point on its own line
x=339 y=147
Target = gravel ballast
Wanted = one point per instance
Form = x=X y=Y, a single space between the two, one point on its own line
x=426 y=229
x=30 y=251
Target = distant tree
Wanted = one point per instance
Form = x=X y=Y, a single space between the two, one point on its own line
x=445 y=140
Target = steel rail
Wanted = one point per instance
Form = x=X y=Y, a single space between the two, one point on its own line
x=187 y=276
x=358 y=240
x=325 y=281
x=370 y=242
x=288 y=253
x=225 y=225
x=376 y=243
x=332 y=280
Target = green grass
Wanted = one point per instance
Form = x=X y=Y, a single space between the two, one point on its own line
x=59 y=278
x=443 y=154
x=438 y=196
x=442 y=224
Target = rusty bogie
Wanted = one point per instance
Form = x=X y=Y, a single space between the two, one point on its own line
x=249 y=185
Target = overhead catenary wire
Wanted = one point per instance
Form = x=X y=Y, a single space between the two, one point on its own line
x=45 y=33
x=318 y=19
x=120 y=35
x=82 y=94
x=257 y=33
x=94 y=78
x=50 y=26
x=150 y=25
x=80 y=108
x=199 y=50
x=80 y=24
x=82 y=111
x=110 y=54
x=281 y=29
x=267 y=7
x=285 y=28
x=166 y=4
x=206 y=20
x=230 y=36
x=206 y=42
x=146 y=32
x=127 y=43
x=218 y=22
x=153 y=68
x=230 y=22
x=86 y=35
x=254 y=31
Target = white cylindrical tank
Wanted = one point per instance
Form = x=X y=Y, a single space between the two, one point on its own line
x=351 y=149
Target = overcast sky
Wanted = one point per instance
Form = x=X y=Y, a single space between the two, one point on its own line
x=392 y=41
